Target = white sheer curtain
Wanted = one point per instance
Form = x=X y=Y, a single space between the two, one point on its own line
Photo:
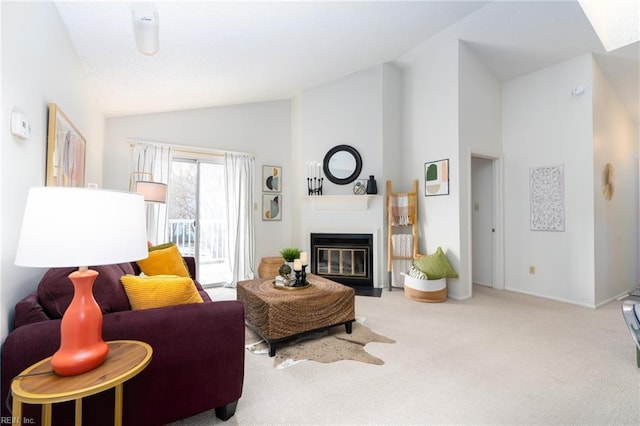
x=156 y=160
x=239 y=178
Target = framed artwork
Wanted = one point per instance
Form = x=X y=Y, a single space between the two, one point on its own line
x=271 y=179
x=66 y=149
x=436 y=178
x=271 y=207
x=547 y=198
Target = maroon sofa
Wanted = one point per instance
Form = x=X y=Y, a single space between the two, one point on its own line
x=198 y=351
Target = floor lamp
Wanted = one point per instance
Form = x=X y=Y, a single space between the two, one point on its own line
x=67 y=227
x=153 y=192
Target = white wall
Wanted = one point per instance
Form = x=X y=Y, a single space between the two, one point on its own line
x=431 y=133
x=39 y=66
x=480 y=132
x=393 y=140
x=614 y=141
x=348 y=111
x=543 y=125
x=393 y=148
x=262 y=129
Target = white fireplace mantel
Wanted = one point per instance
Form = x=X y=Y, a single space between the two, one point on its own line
x=341 y=202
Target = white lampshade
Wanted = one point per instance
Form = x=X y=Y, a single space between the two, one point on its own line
x=64 y=226
x=152 y=191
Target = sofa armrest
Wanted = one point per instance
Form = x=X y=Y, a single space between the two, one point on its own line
x=197 y=363
x=190 y=261
x=23 y=347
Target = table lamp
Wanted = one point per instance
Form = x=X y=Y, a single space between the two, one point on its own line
x=66 y=227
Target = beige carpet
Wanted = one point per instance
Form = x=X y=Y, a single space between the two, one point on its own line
x=499 y=358
x=326 y=347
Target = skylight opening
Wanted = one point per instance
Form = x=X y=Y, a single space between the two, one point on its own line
x=616 y=22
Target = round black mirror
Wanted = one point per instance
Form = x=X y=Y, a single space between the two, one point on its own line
x=342 y=164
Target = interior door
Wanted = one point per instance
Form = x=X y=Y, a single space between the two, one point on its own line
x=482 y=221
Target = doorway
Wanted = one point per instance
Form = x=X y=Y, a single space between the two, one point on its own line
x=197 y=215
x=486 y=221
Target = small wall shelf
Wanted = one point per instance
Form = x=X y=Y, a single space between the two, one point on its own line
x=341 y=202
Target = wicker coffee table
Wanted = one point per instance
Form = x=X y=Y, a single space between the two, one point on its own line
x=278 y=314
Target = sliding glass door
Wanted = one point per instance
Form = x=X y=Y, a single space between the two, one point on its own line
x=197 y=215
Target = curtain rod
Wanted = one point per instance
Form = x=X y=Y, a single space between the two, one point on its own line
x=185 y=148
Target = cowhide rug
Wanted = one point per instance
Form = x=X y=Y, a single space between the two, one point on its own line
x=327 y=346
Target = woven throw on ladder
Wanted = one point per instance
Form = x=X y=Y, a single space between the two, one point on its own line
x=402 y=210
x=402 y=246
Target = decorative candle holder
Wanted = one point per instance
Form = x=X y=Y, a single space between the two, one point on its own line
x=301 y=277
x=298 y=281
x=314 y=185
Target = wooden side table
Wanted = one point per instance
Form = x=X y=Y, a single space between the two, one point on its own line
x=126 y=358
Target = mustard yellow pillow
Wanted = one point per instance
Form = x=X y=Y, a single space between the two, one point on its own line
x=146 y=292
x=164 y=259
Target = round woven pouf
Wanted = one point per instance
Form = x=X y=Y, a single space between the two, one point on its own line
x=269 y=266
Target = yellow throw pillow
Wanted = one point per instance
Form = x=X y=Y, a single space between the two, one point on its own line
x=146 y=292
x=164 y=259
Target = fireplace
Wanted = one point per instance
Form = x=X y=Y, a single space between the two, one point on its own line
x=344 y=258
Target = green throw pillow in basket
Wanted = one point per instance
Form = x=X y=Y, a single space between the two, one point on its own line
x=435 y=266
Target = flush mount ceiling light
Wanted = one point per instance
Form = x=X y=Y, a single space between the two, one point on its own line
x=146 y=29
x=616 y=22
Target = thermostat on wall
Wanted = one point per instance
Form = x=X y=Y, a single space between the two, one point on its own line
x=20 y=127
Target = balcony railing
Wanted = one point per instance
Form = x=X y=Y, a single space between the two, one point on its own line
x=213 y=238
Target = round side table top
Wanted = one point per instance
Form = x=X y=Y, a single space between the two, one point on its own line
x=41 y=385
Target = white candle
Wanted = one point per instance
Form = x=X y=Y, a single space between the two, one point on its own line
x=304 y=258
x=297 y=265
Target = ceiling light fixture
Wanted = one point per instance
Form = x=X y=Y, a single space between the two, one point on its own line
x=146 y=29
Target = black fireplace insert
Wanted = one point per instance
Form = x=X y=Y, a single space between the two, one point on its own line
x=343 y=258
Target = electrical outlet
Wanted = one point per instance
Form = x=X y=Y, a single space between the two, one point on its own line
x=532 y=270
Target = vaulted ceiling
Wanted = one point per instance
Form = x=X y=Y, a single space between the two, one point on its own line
x=222 y=53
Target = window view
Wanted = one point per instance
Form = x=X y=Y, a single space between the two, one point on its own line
x=196 y=207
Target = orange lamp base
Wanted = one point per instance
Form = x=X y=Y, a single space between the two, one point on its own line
x=81 y=345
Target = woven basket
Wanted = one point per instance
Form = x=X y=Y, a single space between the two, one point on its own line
x=425 y=290
x=269 y=266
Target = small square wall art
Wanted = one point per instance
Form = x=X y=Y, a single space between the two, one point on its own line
x=271 y=179
x=436 y=178
x=271 y=207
